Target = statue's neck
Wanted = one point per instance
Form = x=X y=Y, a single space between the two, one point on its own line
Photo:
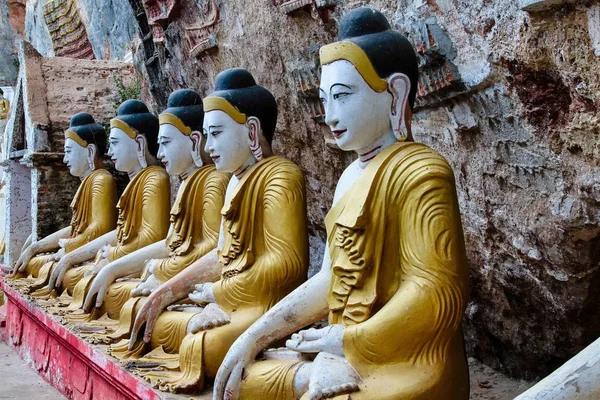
x=367 y=153
x=134 y=172
x=185 y=174
x=244 y=167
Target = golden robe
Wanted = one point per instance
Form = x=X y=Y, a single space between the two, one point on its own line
x=195 y=221
x=94 y=214
x=143 y=219
x=264 y=257
x=4 y=108
x=399 y=283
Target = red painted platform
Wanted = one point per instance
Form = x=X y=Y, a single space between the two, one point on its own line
x=77 y=369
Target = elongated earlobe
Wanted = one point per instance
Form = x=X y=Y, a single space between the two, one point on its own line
x=196 y=139
x=399 y=88
x=141 y=151
x=253 y=125
x=91 y=156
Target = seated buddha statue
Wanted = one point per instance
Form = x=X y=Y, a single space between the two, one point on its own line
x=195 y=222
x=4 y=106
x=94 y=211
x=261 y=256
x=143 y=208
x=394 y=279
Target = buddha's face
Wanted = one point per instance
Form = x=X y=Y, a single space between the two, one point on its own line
x=227 y=141
x=122 y=151
x=76 y=158
x=356 y=114
x=174 y=150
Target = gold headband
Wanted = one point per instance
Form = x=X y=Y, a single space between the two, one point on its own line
x=219 y=103
x=350 y=51
x=69 y=134
x=170 y=119
x=117 y=123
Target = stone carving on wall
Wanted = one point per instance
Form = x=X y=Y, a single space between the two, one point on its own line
x=320 y=10
x=307 y=89
x=199 y=34
x=439 y=78
x=68 y=33
x=201 y=37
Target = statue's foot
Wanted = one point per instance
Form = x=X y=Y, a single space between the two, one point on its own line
x=331 y=376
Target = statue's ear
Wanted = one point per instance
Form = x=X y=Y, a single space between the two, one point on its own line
x=254 y=134
x=142 y=146
x=399 y=88
x=197 y=146
x=91 y=156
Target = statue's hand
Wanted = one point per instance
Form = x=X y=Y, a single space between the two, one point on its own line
x=97 y=267
x=328 y=339
x=203 y=294
x=146 y=287
x=62 y=243
x=59 y=272
x=331 y=376
x=99 y=288
x=24 y=259
x=106 y=251
x=157 y=302
x=241 y=354
x=211 y=317
x=58 y=255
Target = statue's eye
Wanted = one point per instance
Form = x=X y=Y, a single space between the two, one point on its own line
x=215 y=133
x=340 y=95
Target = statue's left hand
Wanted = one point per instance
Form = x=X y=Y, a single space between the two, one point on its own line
x=211 y=317
x=59 y=272
x=328 y=339
x=203 y=294
x=97 y=267
x=156 y=303
x=58 y=255
x=99 y=288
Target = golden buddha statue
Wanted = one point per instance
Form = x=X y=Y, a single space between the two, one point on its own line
x=4 y=106
x=195 y=222
x=394 y=280
x=262 y=253
x=143 y=209
x=94 y=211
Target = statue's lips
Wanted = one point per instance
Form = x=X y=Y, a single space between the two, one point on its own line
x=337 y=134
x=215 y=158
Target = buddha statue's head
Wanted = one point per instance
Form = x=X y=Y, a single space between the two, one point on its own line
x=180 y=140
x=239 y=121
x=368 y=81
x=1 y=94
x=133 y=137
x=85 y=144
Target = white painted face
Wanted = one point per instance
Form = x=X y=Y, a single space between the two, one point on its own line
x=174 y=150
x=76 y=158
x=356 y=114
x=122 y=151
x=227 y=141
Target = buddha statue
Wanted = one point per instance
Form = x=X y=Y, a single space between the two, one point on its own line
x=143 y=209
x=195 y=223
x=4 y=106
x=94 y=211
x=261 y=256
x=394 y=279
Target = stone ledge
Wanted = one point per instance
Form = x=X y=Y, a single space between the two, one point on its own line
x=540 y=5
x=75 y=368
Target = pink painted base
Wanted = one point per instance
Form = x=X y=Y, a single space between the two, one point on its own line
x=77 y=369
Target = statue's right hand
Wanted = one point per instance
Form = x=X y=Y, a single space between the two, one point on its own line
x=147 y=316
x=59 y=272
x=229 y=377
x=99 y=289
x=24 y=259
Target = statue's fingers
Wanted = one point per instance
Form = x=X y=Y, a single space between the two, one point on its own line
x=311 y=334
x=232 y=390
x=146 y=292
x=152 y=317
x=137 y=324
x=136 y=292
x=305 y=346
x=87 y=304
x=100 y=296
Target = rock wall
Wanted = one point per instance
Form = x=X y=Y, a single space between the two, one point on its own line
x=508 y=96
x=8 y=55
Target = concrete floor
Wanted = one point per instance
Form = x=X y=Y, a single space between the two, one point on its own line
x=18 y=381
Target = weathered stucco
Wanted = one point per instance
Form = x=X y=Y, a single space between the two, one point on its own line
x=509 y=97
